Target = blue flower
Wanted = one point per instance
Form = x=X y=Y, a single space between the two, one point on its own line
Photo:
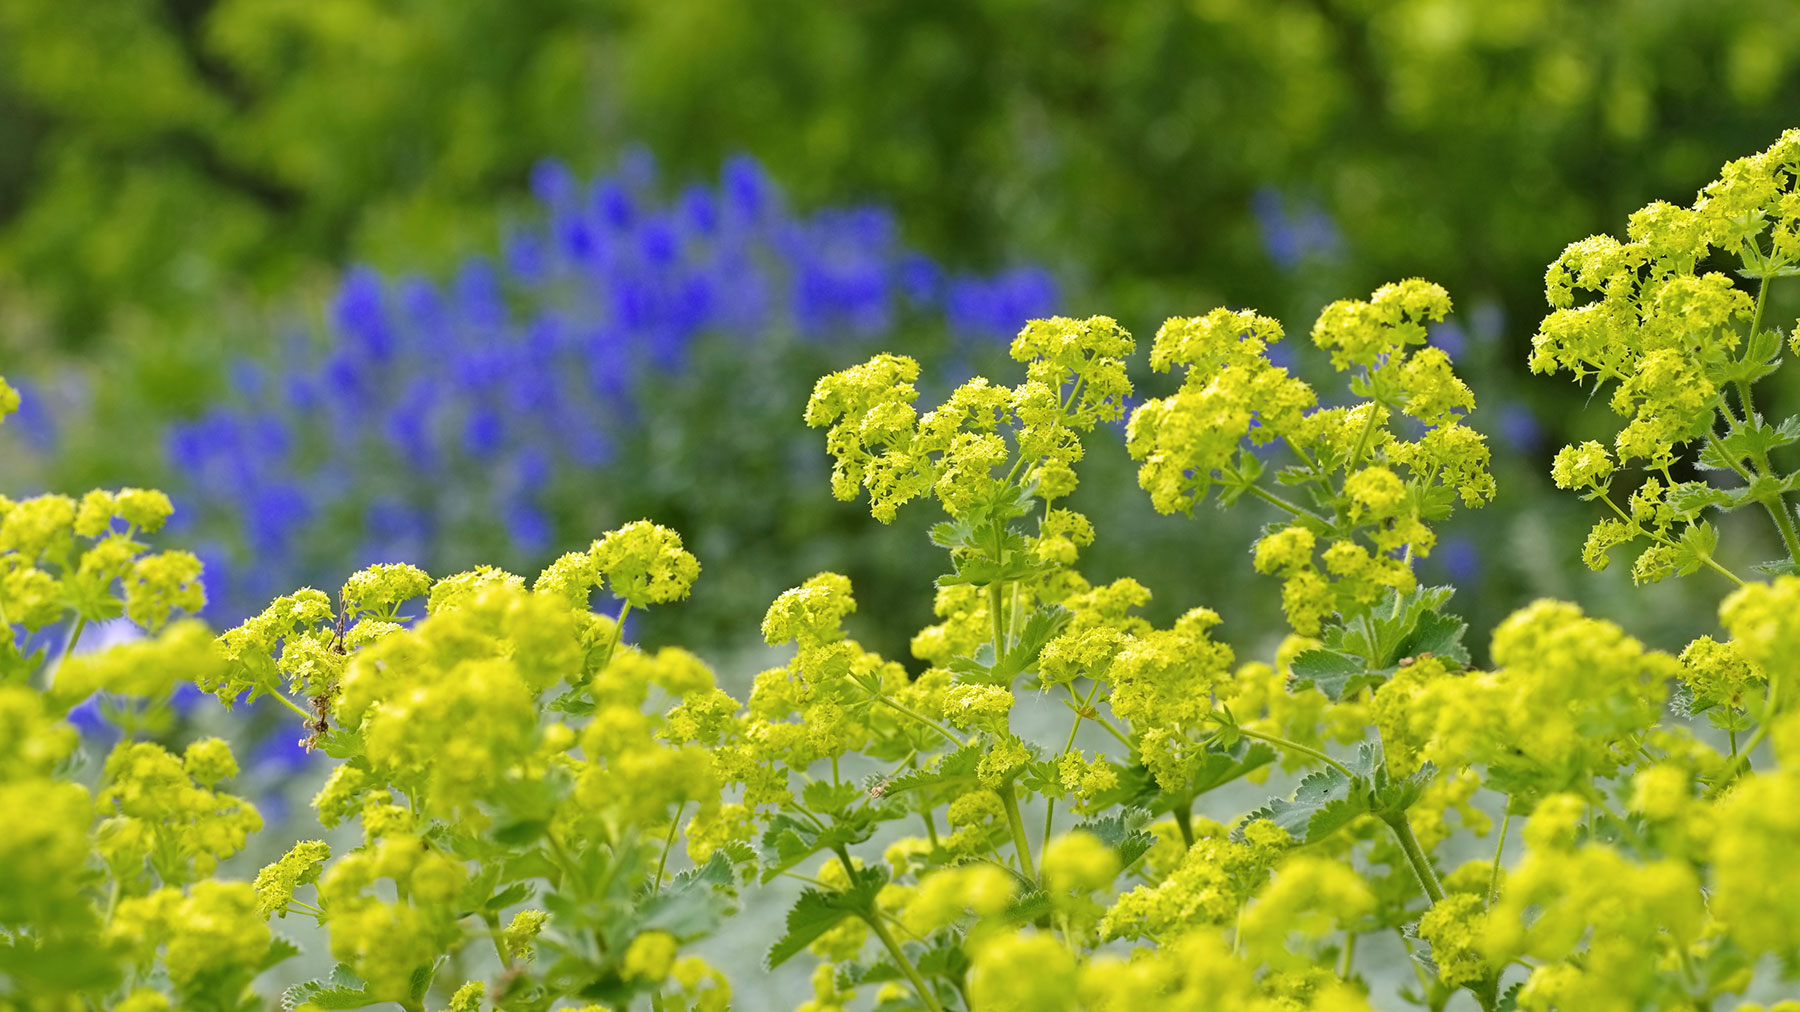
x=1518 y=427
x=434 y=408
x=360 y=314
x=1293 y=239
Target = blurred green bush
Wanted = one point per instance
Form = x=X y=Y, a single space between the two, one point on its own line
x=179 y=177
x=158 y=152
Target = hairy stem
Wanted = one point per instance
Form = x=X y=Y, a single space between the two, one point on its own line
x=1741 y=760
x=921 y=718
x=1010 y=799
x=492 y=920
x=618 y=634
x=1297 y=748
x=669 y=844
x=1774 y=502
x=1708 y=560
x=1494 y=876
x=873 y=919
x=1184 y=821
x=1274 y=500
x=906 y=966
x=1415 y=855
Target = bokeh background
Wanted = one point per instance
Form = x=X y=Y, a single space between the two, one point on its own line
x=451 y=283
x=364 y=280
x=454 y=283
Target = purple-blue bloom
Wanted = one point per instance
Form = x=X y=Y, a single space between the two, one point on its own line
x=438 y=409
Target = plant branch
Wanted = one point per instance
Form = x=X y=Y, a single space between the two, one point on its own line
x=1297 y=748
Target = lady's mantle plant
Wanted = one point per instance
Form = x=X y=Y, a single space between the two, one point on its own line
x=551 y=817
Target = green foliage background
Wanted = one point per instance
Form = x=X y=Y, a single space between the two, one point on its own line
x=178 y=178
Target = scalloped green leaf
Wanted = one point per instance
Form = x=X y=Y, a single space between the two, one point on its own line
x=1324 y=802
x=1332 y=672
x=817 y=912
x=1125 y=831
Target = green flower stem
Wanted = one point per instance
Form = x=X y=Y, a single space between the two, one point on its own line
x=1184 y=820
x=1094 y=715
x=290 y=704
x=1775 y=503
x=1274 y=500
x=74 y=638
x=1710 y=562
x=669 y=844
x=49 y=674
x=1494 y=876
x=1297 y=748
x=1418 y=970
x=1712 y=439
x=1778 y=511
x=1363 y=439
x=1762 y=291
x=1738 y=767
x=492 y=920
x=996 y=601
x=1010 y=799
x=1741 y=760
x=1486 y=990
x=1415 y=855
x=921 y=718
x=1349 y=954
x=618 y=634
x=873 y=919
x=906 y=966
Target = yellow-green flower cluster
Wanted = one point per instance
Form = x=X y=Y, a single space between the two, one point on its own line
x=162 y=811
x=185 y=651
x=213 y=932
x=1231 y=392
x=1453 y=926
x=385 y=942
x=381 y=589
x=299 y=625
x=59 y=555
x=1717 y=673
x=631 y=778
x=1641 y=314
x=1199 y=971
x=947 y=895
x=1079 y=863
x=1215 y=877
x=276 y=883
x=1075 y=377
x=1374 y=493
x=1601 y=925
x=1566 y=690
x=833 y=697
x=445 y=709
x=1367 y=334
x=44 y=846
x=645 y=564
x=1310 y=897
x=1764 y=622
x=641 y=563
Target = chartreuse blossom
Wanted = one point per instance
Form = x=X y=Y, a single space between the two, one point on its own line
x=1369 y=494
x=1681 y=347
x=1568 y=695
x=550 y=816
